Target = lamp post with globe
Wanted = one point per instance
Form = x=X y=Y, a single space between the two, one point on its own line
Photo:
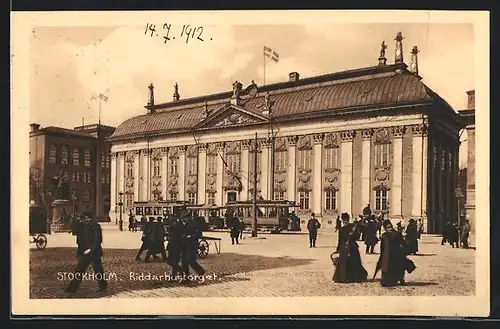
x=120 y=204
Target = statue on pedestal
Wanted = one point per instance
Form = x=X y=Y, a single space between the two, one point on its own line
x=61 y=188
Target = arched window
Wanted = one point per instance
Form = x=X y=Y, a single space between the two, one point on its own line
x=64 y=154
x=76 y=156
x=87 y=155
x=52 y=153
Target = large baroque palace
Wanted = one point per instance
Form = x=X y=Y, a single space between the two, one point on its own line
x=332 y=143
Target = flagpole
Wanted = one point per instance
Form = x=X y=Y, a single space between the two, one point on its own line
x=264 y=57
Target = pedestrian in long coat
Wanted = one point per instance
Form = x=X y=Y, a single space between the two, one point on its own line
x=464 y=238
x=146 y=237
x=349 y=267
x=344 y=231
x=392 y=260
x=411 y=238
x=371 y=235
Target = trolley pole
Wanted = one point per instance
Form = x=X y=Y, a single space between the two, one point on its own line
x=254 y=203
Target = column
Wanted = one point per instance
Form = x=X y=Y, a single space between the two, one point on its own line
x=425 y=150
x=417 y=188
x=317 y=195
x=365 y=167
x=292 y=169
x=245 y=172
x=202 y=173
x=182 y=173
x=121 y=175
x=346 y=173
x=164 y=174
x=264 y=169
x=219 y=197
x=145 y=175
x=137 y=175
x=112 y=192
x=397 y=174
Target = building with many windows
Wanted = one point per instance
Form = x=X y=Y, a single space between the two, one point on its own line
x=84 y=157
x=332 y=143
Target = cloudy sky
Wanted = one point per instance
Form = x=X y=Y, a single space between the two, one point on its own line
x=69 y=65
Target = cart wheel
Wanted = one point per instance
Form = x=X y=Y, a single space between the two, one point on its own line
x=41 y=241
x=203 y=249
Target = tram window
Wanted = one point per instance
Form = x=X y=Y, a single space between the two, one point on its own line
x=165 y=210
x=157 y=210
x=147 y=211
x=272 y=212
x=138 y=211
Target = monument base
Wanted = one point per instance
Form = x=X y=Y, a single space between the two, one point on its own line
x=61 y=213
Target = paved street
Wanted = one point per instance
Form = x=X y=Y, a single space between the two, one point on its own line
x=269 y=266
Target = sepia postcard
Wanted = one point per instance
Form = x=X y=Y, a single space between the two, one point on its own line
x=250 y=163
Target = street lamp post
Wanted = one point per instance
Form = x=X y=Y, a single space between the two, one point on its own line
x=120 y=204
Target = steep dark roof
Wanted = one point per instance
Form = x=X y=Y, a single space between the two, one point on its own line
x=369 y=87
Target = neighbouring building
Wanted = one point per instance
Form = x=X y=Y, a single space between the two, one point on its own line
x=468 y=118
x=83 y=155
x=332 y=143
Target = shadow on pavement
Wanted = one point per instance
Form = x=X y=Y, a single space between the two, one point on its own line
x=47 y=268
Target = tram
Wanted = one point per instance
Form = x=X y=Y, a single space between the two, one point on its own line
x=143 y=210
x=271 y=214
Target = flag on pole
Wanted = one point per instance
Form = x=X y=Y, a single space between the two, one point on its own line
x=269 y=53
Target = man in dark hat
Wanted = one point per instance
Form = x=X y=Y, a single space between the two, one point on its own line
x=367 y=212
x=147 y=232
x=392 y=260
x=411 y=238
x=312 y=226
x=371 y=235
x=89 y=251
x=157 y=244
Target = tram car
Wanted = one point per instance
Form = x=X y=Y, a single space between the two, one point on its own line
x=272 y=215
x=144 y=210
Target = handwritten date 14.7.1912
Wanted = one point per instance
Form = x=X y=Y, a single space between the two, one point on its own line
x=168 y=32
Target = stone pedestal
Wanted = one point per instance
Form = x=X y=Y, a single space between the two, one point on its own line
x=64 y=207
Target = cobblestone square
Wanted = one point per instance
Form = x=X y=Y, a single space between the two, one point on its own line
x=267 y=266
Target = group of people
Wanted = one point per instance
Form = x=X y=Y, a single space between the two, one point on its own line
x=183 y=238
x=452 y=232
x=393 y=261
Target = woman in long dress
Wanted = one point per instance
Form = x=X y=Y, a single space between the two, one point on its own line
x=348 y=267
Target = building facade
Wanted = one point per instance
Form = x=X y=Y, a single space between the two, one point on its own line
x=82 y=155
x=468 y=118
x=332 y=143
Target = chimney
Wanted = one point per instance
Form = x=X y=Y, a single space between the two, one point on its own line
x=176 y=92
x=471 y=100
x=151 y=101
x=34 y=127
x=294 y=76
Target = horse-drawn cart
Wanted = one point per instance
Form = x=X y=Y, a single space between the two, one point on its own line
x=38 y=227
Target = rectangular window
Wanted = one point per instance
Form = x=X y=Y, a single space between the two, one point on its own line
x=86 y=196
x=52 y=153
x=233 y=162
x=156 y=167
x=211 y=198
x=173 y=196
x=382 y=155
x=331 y=200
x=74 y=176
x=331 y=158
x=191 y=198
x=211 y=164
x=89 y=177
x=64 y=154
x=130 y=169
x=280 y=161
x=103 y=178
x=191 y=166
x=251 y=162
x=304 y=200
x=279 y=195
x=381 y=200
x=156 y=196
x=103 y=160
x=173 y=166
x=77 y=176
x=76 y=157
x=87 y=158
x=304 y=160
